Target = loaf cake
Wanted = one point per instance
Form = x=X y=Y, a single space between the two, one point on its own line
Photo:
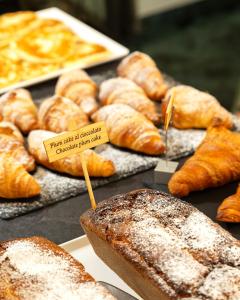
x=37 y=269
x=164 y=248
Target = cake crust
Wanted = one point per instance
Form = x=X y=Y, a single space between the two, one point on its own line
x=173 y=247
x=37 y=269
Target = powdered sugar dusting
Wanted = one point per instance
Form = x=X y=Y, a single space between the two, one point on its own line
x=166 y=253
x=180 y=248
x=40 y=274
x=223 y=283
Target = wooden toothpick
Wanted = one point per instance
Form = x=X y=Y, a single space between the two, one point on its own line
x=73 y=126
x=167 y=120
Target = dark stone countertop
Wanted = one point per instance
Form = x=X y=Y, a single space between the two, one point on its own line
x=60 y=222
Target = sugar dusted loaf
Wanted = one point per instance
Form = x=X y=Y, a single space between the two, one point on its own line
x=164 y=248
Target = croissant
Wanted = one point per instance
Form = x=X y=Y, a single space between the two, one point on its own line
x=17 y=107
x=195 y=109
x=141 y=69
x=11 y=130
x=15 y=182
x=130 y=129
x=229 y=210
x=11 y=143
x=80 y=88
x=215 y=163
x=57 y=114
x=97 y=165
x=125 y=91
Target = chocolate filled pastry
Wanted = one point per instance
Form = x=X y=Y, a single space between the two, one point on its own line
x=124 y=91
x=140 y=68
x=15 y=182
x=195 y=109
x=35 y=268
x=11 y=142
x=80 y=88
x=17 y=107
x=215 y=163
x=130 y=129
x=164 y=248
x=58 y=114
x=97 y=165
x=229 y=210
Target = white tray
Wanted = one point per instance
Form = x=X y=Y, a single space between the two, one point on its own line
x=81 y=249
x=85 y=32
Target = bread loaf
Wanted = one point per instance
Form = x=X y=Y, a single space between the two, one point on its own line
x=164 y=248
x=37 y=269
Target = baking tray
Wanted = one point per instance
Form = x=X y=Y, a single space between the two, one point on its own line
x=86 y=33
x=81 y=249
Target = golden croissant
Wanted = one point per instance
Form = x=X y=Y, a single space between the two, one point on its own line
x=17 y=107
x=124 y=91
x=10 y=129
x=195 y=109
x=80 y=88
x=11 y=142
x=229 y=210
x=15 y=182
x=58 y=113
x=97 y=165
x=215 y=163
x=141 y=69
x=130 y=129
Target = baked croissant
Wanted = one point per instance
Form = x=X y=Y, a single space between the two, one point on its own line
x=15 y=182
x=17 y=107
x=97 y=165
x=130 y=129
x=215 y=163
x=141 y=69
x=10 y=129
x=125 y=91
x=229 y=210
x=11 y=143
x=58 y=113
x=80 y=88
x=195 y=109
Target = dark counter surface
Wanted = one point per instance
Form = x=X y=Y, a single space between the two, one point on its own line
x=60 y=222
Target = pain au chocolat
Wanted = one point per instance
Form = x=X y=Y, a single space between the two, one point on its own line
x=164 y=248
x=37 y=269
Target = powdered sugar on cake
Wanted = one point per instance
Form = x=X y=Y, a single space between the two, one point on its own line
x=179 y=245
x=41 y=275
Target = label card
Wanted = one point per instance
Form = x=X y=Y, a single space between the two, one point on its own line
x=75 y=141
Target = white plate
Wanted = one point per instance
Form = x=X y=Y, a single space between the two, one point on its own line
x=81 y=249
x=85 y=32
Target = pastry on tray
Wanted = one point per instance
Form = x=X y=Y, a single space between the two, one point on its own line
x=11 y=142
x=140 y=68
x=80 y=88
x=123 y=90
x=130 y=129
x=11 y=130
x=97 y=165
x=15 y=181
x=215 y=163
x=58 y=113
x=164 y=248
x=17 y=107
x=31 y=46
x=16 y=23
x=195 y=109
x=35 y=268
x=229 y=210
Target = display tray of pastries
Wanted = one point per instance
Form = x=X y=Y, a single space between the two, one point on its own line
x=133 y=117
x=32 y=46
